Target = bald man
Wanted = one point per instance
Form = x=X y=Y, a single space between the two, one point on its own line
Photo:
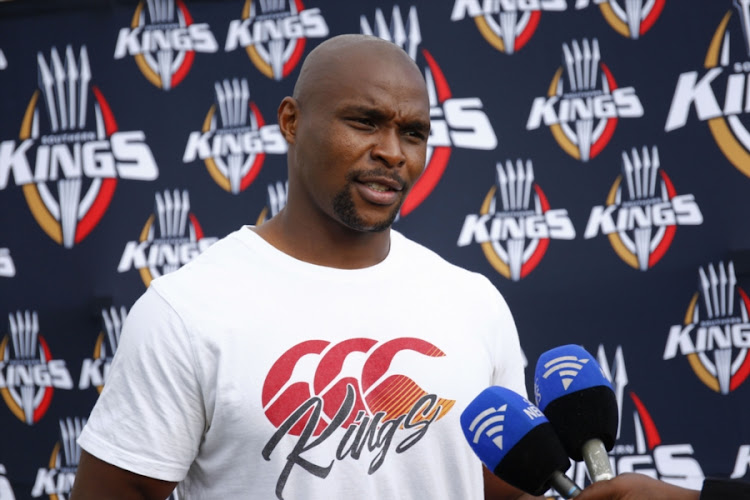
x=321 y=355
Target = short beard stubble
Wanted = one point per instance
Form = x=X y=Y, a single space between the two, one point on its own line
x=343 y=207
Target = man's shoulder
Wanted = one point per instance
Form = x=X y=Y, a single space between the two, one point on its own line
x=424 y=260
x=213 y=264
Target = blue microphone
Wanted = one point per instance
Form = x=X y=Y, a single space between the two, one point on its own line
x=577 y=398
x=514 y=440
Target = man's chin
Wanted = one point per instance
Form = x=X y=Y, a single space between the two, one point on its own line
x=364 y=218
x=367 y=224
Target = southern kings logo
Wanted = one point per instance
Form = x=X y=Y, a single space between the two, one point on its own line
x=642 y=211
x=234 y=139
x=28 y=373
x=583 y=102
x=95 y=370
x=163 y=40
x=274 y=34
x=170 y=238
x=56 y=478
x=715 y=334
x=506 y=25
x=632 y=19
x=721 y=94
x=74 y=149
x=351 y=393
x=515 y=222
x=454 y=122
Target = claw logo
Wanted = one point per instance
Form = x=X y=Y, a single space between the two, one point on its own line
x=584 y=102
x=715 y=334
x=375 y=405
x=163 y=40
x=56 y=479
x=506 y=25
x=7 y=267
x=458 y=122
x=632 y=19
x=723 y=78
x=274 y=34
x=28 y=374
x=277 y=193
x=81 y=160
x=95 y=371
x=642 y=211
x=3 y=61
x=6 y=490
x=234 y=141
x=640 y=446
x=515 y=222
x=179 y=239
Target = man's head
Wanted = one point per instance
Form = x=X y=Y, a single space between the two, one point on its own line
x=357 y=128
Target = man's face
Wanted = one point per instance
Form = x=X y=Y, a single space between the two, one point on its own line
x=361 y=141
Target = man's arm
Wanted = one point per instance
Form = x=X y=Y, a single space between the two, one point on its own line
x=98 y=480
x=497 y=489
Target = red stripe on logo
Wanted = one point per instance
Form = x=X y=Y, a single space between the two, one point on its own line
x=184 y=68
x=652 y=16
x=299 y=49
x=429 y=179
x=527 y=33
x=666 y=241
x=185 y=13
x=196 y=226
x=254 y=170
x=110 y=125
x=652 y=435
x=441 y=84
x=609 y=129
x=96 y=212
x=49 y=391
x=543 y=245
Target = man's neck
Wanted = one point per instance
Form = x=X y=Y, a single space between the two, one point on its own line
x=330 y=244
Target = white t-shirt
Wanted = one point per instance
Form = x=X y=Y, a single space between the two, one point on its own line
x=251 y=374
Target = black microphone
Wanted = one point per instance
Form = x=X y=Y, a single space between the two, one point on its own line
x=514 y=439
x=577 y=398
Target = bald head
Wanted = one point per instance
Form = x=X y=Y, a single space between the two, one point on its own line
x=339 y=56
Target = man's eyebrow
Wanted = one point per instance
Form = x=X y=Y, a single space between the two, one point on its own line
x=363 y=110
x=417 y=125
x=376 y=114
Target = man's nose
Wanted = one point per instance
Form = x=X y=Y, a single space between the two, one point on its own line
x=388 y=148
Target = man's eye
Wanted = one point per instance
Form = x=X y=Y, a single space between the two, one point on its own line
x=364 y=121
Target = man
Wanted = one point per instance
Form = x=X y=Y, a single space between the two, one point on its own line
x=320 y=355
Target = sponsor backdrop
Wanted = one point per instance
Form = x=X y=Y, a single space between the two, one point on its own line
x=590 y=157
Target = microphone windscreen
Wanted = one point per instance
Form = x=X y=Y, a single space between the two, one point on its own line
x=514 y=439
x=577 y=398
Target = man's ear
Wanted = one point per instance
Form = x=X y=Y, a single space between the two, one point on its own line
x=288 y=118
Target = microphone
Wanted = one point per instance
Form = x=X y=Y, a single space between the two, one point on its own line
x=577 y=398
x=514 y=439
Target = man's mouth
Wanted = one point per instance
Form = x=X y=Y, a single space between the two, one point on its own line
x=380 y=190
x=378 y=187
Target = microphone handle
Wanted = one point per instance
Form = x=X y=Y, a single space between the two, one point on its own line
x=597 y=460
x=564 y=486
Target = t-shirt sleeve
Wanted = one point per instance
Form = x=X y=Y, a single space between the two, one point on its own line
x=509 y=359
x=150 y=416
